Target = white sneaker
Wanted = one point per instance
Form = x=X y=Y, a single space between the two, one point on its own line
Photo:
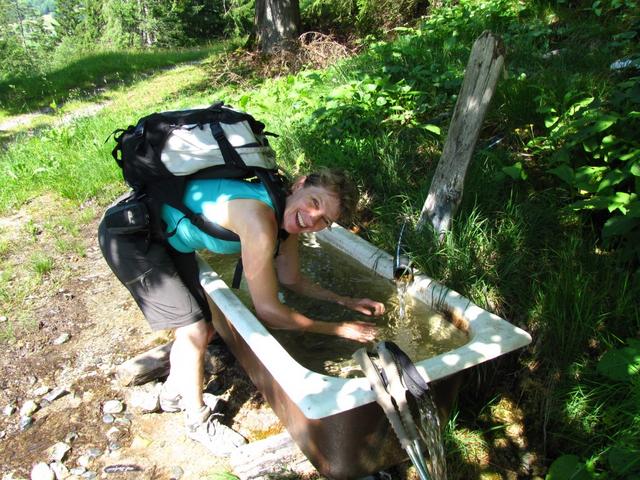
x=207 y=429
x=173 y=402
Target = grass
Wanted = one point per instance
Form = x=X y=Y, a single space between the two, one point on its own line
x=88 y=74
x=515 y=247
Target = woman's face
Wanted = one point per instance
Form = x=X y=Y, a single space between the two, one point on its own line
x=309 y=209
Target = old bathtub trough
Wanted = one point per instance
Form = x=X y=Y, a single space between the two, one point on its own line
x=335 y=421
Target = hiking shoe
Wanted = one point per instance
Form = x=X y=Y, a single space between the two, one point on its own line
x=173 y=402
x=219 y=439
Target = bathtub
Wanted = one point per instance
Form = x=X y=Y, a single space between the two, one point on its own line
x=336 y=422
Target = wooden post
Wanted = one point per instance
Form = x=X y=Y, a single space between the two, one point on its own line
x=480 y=79
x=273 y=457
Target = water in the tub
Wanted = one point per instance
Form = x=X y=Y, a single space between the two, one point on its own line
x=418 y=330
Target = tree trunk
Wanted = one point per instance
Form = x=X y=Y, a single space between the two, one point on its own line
x=481 y=76
x=277 y=23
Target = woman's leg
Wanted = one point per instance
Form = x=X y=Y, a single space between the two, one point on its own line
x=187 y=363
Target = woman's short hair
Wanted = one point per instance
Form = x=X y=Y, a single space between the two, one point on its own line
x=339 y=183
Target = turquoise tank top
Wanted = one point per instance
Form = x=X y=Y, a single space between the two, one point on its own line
x=205 y=196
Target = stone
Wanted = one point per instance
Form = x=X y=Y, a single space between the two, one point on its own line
x=54 y=394
x=28 y=408
x=9 y=410
x=108 y=418
x=114 y=434
x=3 y=319
x=60 y=470
x=85 y=461
x=114 y=446
x=58 y=451
x=70 y=437
x=94 y=452
x=177 y=473
x=77 y=471
x=41 y=471
x=113 y=406
x=63 y=338
x=25 y=422
x=144 y=398
x=42 y=390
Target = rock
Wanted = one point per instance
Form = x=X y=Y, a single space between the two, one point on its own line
x=58 y=451
x=144 y=398
x=25 y=422
x=70 y=437
x=3 y=319
x=108 y=418
x=123 y=421
x=112 y=406
x=28 y=408
x=85 y=461
x=114 y=446
x=41 y=471
x=40 y=391
x=94 y=452
x=2 y=434
x=9 y=410
x=89 y=474
x=60 y=470
x=77 y=471
x=31 y=380
x=176 y=473
x=54 y=394
x=114 y=434
x=63 y=338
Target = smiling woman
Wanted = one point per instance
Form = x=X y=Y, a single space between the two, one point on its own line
x=162 y=276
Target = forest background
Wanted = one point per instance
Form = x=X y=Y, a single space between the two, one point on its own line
x=548 y=235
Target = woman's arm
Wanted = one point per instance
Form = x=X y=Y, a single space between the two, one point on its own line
x=256 y=226
x=289 y=274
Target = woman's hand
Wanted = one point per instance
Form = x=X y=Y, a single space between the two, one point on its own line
x=363 y=332
x=366 y=306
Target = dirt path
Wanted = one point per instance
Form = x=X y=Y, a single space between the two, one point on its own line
x=104 y=327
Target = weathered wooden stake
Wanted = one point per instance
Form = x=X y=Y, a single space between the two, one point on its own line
x=480 y=79
x=277 y=456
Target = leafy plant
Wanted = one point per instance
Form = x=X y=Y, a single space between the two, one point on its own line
x=593 y=147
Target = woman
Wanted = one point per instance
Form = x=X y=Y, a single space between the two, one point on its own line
x=163 y=279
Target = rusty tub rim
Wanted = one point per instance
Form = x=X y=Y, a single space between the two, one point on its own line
x=318 y=395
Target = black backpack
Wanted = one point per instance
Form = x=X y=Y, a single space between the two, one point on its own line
x=164 y=150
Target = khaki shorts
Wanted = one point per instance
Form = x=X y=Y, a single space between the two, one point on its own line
x=163 y=282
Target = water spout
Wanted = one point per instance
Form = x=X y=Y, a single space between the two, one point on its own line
x=402 y=269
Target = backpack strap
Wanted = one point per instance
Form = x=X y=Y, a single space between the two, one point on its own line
x=230 y=155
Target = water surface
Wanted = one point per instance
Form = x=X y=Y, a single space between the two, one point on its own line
x=420 y=331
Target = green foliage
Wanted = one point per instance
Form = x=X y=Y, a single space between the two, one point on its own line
x=592 y=146
x=81 y=74
x=239 y=17
x=613 y=392
x=365 y=17
x=621 y=365
x=43 y=6
x=568 y=467
x=25 y=42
